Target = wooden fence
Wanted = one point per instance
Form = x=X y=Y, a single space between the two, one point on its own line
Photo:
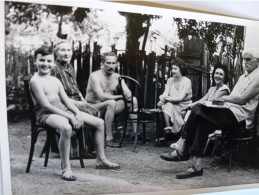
x=152 y=70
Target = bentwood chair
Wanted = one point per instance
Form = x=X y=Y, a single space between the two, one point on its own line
x=144 y=116
x=241 y=136
x=37 y=128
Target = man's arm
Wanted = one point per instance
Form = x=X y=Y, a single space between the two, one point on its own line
x=125 y=89
x=95 y=85
x=248 y=94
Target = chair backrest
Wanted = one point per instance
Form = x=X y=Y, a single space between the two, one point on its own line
x=255 y=121
x=30 y=101
x=135 y=88
x=248 y=133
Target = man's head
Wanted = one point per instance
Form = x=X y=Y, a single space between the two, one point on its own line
x=44 y=59
x=63 y=51
x=251 y=60
x=109 y=62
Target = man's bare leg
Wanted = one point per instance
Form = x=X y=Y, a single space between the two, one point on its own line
x=120 y=106
x=62 y=124
x=99 y=140
x=107 y=108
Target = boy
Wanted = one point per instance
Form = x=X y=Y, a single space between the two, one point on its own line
x=54 y=108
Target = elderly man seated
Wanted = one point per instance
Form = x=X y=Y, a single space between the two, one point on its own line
x=239 y=107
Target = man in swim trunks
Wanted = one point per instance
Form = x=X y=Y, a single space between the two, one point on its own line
x=101 y=93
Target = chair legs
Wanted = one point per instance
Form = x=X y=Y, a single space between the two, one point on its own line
x=33 y=141
x=44 y=149
x=234 y=147
x=124 y=133
x=144 y=133
x=47 y=145
x=230 y=156
x=136 y=137
x=48 y=142
x=79 y=135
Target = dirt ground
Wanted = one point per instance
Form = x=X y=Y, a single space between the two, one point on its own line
x=143 y=171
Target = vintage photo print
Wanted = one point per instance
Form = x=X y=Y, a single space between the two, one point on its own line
x=108 y=98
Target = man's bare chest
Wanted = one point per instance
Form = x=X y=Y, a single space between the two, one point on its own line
x=110 y=85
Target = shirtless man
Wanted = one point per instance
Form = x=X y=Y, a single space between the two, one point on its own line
x=54 y=108
x=101 y=93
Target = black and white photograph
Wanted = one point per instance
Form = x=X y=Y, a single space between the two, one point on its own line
x=109 y=98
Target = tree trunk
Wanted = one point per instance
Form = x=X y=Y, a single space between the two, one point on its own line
x=146 y=35
x=59 y=33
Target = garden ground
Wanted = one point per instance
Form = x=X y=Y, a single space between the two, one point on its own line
x=140 y=172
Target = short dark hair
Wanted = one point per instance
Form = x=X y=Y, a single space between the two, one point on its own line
x=179 y=63
x=44 y=51
x=225 y=69
x=108 y=54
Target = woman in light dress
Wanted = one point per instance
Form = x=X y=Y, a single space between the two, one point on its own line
x=176 y=97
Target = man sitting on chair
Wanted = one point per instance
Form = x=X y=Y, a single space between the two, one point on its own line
x=53 y=108
x=239 y=107
x=101 y=93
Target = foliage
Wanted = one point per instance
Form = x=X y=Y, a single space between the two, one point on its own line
x=29 y=15
x=135 y=21
x=91 y=26
x=213 y=34
x=23 y=14
x=137 y=26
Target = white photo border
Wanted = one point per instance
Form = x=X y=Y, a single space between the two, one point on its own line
x=5 y=176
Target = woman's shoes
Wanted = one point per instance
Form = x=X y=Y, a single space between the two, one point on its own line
x=174 y=146
x=178 y=157
x=191 y=172
x=168 y=130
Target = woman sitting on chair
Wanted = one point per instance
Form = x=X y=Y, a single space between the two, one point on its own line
x=176 y=97
x=218 y=89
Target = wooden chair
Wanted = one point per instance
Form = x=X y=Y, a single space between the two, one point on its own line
x=242 y=136
x=144 y=116
x=37 y=128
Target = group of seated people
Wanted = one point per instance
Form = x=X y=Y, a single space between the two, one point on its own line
x=60 y=105
x=235 y=109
